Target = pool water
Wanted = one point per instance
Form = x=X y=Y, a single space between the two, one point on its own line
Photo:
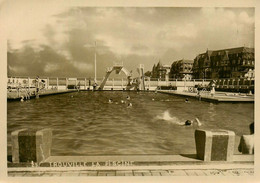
x=85 y=123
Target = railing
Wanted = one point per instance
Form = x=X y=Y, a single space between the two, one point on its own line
x=86 y=83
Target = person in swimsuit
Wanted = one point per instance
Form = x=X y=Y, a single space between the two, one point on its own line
x=129 y=105
x=191 y=122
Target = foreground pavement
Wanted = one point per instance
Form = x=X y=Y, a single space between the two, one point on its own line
x=138 y=171
x=153 y=165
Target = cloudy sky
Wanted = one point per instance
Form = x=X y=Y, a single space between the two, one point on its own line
x=59 y=41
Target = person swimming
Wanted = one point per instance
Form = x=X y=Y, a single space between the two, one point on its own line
x=122 y=101
x=110 y=101
x=128 y=97
x=129 y=105
x=186 y=100
x=191 y=122
x=188 y=123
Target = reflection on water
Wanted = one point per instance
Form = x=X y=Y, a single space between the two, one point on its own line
x=212 y=112
x=86 y=123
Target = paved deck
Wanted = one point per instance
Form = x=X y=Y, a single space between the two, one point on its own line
x=142 y=165
x=145 y=171
x=13 y=96
x=218 y=97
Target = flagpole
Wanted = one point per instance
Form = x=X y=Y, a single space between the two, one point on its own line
x=95 y=80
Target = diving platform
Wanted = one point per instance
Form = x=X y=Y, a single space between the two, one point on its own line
x=118 y=68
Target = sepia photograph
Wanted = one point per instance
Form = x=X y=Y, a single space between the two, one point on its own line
x=120 y=91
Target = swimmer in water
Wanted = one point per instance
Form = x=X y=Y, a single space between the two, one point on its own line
x=110 y=101
x=188 y=123
x=128 y=97
x=129 y=105
x=122 y=101
x=191 y=122
x=187 y=100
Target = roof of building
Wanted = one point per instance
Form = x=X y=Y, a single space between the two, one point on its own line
x=209 y=52
x=166 y=65
x=184 y=61
x=232 y=51
x=159 y=63
x=224 y=51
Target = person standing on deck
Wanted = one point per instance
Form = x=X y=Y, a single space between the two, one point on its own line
x=199 y=95
x=37 y=86
x=78 y=86
x=212 y=91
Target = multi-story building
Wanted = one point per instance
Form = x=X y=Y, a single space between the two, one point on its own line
x=181 y=69
x=160 y=71
x=202 y=65
x=226 y=63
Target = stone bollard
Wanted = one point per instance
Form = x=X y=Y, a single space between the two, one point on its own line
x=215 y=145
x=31 y=145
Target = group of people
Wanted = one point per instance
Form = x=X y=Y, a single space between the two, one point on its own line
x=110 y=101
x=39 y=84
x=27 y=95
x=211 y=86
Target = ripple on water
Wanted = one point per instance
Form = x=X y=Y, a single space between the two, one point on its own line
x=86 y=124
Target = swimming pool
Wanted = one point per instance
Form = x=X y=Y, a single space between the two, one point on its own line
x=84 y=123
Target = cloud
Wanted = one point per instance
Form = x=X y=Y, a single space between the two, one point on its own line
x=84 y=67
x=30 y=19
x=61 y=39
x=17 y=69
x=243 y=17
x=51 y=67
x=139 y=47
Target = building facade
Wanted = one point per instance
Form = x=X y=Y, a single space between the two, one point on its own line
x=202 y=66
x=181 y=69
x=226 y=63
x=160 y=72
